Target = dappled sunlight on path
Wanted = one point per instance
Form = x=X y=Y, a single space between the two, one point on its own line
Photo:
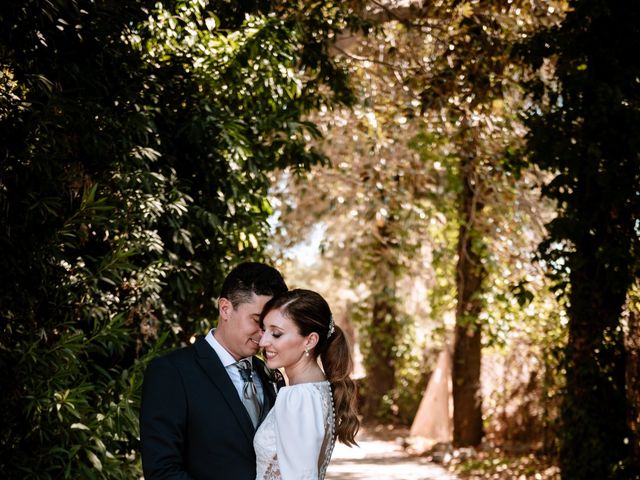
x=381 y=459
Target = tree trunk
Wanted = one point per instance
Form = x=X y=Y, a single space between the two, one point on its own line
x=382 y=332
x=467 y=400
x=381 y=370
x=633 y=376
x=595 y=436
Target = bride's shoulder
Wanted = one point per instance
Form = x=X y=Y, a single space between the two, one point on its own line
x=301 y=392
x=302 y=406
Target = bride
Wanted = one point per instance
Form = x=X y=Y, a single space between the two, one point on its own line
x=296 y=439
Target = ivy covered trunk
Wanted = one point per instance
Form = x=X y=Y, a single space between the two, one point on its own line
x=467 y=401
x=632 y=345
x=594 y=410
x=382 y=332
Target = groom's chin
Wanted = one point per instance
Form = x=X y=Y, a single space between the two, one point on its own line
x=255 y=348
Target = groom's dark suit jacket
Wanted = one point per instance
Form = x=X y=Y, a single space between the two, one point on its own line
x=193 y=424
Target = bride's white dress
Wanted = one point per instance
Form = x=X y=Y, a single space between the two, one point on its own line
x=296 y=439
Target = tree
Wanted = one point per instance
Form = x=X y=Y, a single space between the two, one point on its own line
x=467 y=79
x=583 y=129
x=135 y=149
x=435 y=126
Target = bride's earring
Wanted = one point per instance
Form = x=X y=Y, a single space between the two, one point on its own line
x=306 y=351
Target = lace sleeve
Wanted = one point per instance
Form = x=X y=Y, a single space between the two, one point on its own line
x=299 y=432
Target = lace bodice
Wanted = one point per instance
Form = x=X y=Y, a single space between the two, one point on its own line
x=296 y=439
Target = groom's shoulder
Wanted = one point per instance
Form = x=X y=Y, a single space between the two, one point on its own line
x=185 y=353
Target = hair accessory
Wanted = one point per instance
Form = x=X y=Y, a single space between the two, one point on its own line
x=332 y=326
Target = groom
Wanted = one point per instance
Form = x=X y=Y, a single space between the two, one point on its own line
x=193 y=424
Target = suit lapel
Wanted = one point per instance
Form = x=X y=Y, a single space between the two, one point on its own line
x=212 y=366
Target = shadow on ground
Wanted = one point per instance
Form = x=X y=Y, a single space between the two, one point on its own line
x=381 y=457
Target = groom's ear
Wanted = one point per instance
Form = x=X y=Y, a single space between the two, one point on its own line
x=224 y=308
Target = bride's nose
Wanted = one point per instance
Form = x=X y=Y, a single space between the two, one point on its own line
x=264 y=340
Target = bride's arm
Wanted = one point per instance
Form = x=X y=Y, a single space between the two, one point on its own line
x=299 y=432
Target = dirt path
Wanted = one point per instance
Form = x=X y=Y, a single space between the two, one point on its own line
x=381 y=458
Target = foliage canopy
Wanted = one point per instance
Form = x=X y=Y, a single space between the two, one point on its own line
x=135 y=147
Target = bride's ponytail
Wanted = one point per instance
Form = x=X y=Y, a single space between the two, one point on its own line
x=337 y=364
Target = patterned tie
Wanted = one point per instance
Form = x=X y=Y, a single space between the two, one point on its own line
x=249 y=392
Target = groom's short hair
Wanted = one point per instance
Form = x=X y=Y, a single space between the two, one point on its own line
x=250 y=278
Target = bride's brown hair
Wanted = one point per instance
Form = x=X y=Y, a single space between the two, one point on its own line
x=311 y=313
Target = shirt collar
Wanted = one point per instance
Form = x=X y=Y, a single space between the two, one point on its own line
x=225 y=357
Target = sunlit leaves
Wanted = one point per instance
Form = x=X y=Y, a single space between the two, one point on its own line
x=432 y=89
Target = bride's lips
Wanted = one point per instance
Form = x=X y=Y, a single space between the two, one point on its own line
x=269 y=355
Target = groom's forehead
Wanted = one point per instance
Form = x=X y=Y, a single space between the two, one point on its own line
x=253 y=305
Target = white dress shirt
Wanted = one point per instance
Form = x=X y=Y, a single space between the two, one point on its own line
x=229 y=364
